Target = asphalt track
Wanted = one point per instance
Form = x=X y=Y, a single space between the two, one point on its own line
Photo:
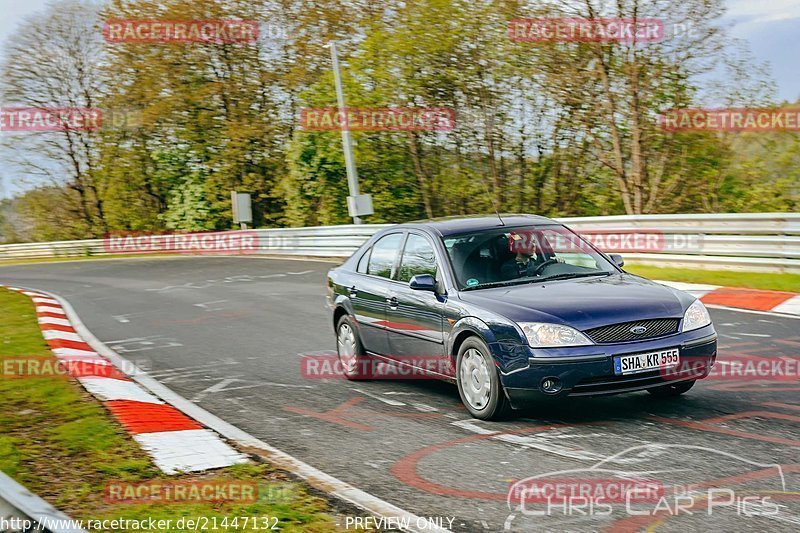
x=229 y=333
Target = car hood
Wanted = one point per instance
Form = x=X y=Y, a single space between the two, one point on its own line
x=583 y=303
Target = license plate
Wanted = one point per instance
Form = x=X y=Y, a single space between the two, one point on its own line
x=643 y=362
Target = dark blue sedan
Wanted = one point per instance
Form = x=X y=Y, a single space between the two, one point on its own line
x=513 y=309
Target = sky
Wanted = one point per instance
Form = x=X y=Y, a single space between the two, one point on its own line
x=770 y=27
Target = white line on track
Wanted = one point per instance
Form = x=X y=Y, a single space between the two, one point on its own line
x=387 y=401
x=536 y=441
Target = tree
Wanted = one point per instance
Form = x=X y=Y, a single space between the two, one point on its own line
x=52 y=61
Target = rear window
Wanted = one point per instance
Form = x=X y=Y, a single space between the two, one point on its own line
x=364 y=262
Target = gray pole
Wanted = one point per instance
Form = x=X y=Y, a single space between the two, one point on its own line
x=347 y=142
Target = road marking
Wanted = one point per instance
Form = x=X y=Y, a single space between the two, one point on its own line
x=761 y=335
x=540 y=441
x=387 y=401
x=213 y=388
x=222 y=386
x=125 y=319
x=714 y=425
x=425 y=408
x=187 y=285
x=206 y=305
x=145 y=342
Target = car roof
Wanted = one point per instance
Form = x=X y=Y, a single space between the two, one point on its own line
x=460 y=224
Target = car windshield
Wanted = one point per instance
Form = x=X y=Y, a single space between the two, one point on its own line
x=510 y=256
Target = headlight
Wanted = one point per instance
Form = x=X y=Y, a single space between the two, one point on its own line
x=543 y=335
x=696 y=316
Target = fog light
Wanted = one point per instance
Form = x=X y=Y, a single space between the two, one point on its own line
x=550 y=385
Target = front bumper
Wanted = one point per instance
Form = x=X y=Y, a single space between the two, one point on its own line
x=589 y=370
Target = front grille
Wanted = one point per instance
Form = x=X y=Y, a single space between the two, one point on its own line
x=622 y=332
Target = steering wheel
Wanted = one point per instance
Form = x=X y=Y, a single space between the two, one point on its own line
x=541 y=267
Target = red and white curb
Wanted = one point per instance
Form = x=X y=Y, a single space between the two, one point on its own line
x=175 y=442
x=785 y=303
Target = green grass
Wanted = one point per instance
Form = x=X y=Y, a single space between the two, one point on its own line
x=750 y=280
x=62 y=444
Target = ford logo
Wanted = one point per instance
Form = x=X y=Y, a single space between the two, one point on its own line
x=638 y=330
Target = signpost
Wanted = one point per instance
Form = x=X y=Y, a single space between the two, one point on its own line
x=242 y=208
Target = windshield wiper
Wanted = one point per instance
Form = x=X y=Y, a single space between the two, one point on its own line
x=522 y=281
x=494 y=284
x=573 y=275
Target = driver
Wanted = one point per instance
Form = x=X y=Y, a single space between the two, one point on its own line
x=526 y=262
x=521 y=264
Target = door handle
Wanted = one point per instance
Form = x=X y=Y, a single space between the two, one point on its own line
x=352 y=291
x=393 y=303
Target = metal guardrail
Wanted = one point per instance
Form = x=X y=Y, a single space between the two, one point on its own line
x=22 y=511
x=768 y=242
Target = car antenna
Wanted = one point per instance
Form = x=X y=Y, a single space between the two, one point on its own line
x=494 y=205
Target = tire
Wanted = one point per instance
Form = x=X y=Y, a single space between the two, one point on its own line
x=670 y=391
x=352 y=356
x=478 y=381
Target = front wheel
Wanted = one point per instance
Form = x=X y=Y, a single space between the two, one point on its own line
x=478 y=383
x=352 y=357
x=670 y=391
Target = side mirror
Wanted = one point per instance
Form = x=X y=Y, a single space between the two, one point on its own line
x=423 y=282
x=618 y=260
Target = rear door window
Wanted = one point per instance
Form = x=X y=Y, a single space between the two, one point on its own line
x=384 y=255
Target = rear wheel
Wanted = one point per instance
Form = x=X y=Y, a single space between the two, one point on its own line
x=478 y=382
x=669 y=391
x=353 y=358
